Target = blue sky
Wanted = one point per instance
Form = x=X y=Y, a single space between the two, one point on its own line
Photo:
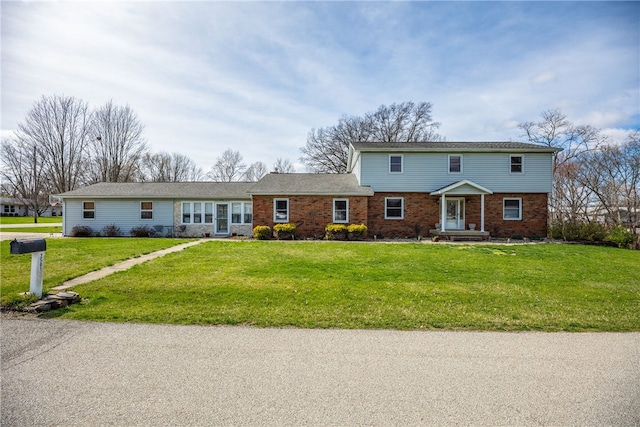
x=258 y=76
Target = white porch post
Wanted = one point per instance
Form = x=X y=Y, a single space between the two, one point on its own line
x=443 y=213
x=482 y=212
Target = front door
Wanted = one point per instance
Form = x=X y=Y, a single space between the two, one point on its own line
x=222 y=218
x=455 y=214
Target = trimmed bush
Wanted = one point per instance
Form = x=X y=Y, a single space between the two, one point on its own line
x=143 y=231
x=81 y=231
x=357 y=231
x=335 y=231
x=591 y=232
x=284 y=231
x=111 y=230
x=621 y=236
x=261 y=232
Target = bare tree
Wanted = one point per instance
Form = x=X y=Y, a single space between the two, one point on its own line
x=327 y=148
x=283 y=166
x=118 y=146
x=165 y=167
x=554 y=130
x=575 y=144
x=23 y=173
x=228 y=167
x=58 y=127
x=612 y=173
x=256 y=171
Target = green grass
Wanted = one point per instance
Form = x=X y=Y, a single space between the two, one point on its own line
x=32 y=230
x=29 y=219
x=365 y=285
x=68 y=258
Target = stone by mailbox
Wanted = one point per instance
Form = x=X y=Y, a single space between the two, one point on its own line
x=28 y=246
x=36 y=248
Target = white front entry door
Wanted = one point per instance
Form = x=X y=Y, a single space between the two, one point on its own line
x=455 y=214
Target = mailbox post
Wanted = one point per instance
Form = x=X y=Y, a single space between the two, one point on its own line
x=36 y=248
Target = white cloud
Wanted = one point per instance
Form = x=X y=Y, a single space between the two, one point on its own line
x=256 y=77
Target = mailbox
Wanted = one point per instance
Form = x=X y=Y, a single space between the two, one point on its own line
x=28 y=246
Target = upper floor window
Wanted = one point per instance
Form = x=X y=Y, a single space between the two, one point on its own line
x=146 y=210
x=394 y=208
x=395 y=163
x=455 y=163
x=516 y=163
x=512 y=208
x=281 y=210
x=340 y=210
x=88 y=210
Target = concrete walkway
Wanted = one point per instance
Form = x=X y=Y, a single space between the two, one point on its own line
x=124 y=265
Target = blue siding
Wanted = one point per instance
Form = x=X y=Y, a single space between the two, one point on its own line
x=427 y=172
x=125 y=213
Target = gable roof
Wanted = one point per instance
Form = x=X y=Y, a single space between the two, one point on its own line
x=425 y=147
x=310 y=184
x=162 y=190
x=462 y=187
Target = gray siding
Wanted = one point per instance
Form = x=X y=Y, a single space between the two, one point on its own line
x=125 y=213
x=426 y=172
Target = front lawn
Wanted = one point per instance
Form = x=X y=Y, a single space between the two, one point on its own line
x=29 y=220
x=549 y=287
x=68 y=258
x=43 y=230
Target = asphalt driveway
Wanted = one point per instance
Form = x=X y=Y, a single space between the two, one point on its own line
x=75 y=373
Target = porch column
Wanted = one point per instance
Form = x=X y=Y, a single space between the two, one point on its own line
x=482 y=212
x=443 y=213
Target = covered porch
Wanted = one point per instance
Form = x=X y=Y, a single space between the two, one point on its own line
x=453 y=222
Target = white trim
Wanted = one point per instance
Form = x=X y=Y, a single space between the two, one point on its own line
x=342 y=221
x=458 y=184
x=401 y=171
x=146 y=210
x=243 y=212
x=401 y=208
x=449 y=164
x=275 y=217
x=519 y=199
x=521 y=164
x=88 y=210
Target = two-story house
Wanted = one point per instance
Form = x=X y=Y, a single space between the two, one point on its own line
x=497 y=189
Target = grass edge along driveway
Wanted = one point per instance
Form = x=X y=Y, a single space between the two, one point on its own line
x=547 y=287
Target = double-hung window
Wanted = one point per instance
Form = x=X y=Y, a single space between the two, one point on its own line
x=280 y=210
x=208 y=213
x=146 y=210
x=340 y=210
x=516 y=163
x=186 y=213
x=455 y=163
x=394 y=208
x=395 y=163
x=241 y=213
x=512 y=209
x=88 y=210
x=197 y=213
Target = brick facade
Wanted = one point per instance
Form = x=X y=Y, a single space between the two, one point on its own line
x=310 y=214
x=421 y=213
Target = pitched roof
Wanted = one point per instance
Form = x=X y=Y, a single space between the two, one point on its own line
x=310 y=184
x=453 y=146
x=163 y=190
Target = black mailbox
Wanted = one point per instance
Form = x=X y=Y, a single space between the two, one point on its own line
x=28 y=246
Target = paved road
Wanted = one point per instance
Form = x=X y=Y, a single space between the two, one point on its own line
x=77 y=374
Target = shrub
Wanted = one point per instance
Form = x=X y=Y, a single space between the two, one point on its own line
x=621 y=236
x=81 y=231
x=357 y=231
x=335 y=231
x=111 y=230
x=261 y=232
x=284 y=231
x=592 y=232
x=143 y=231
